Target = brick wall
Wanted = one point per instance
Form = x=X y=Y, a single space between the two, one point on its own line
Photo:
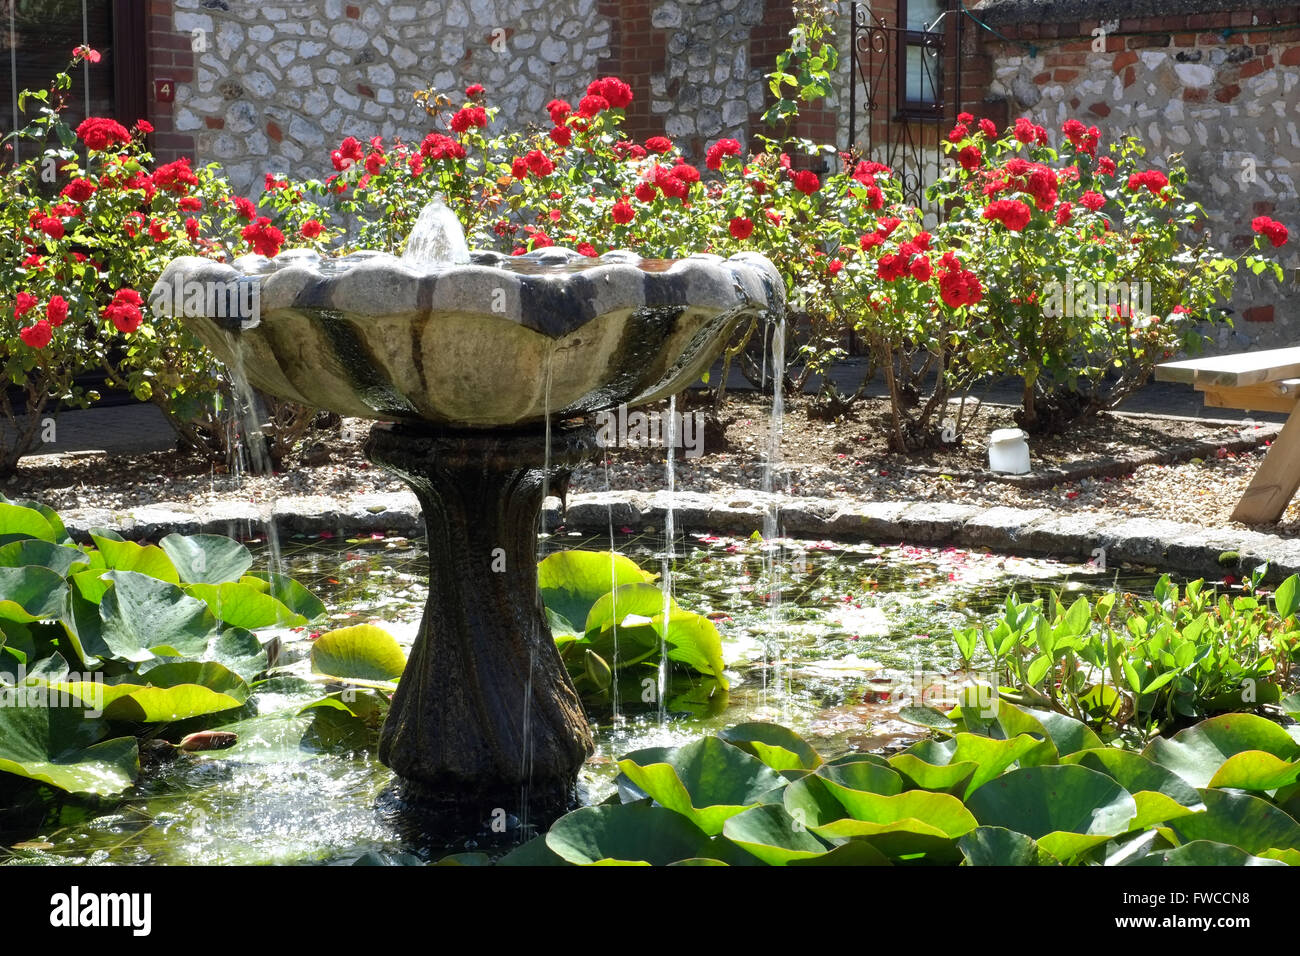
x=170 y=57
x=1219 y=86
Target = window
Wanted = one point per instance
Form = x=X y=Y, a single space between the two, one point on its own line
x=36 y=41
x=920 y=56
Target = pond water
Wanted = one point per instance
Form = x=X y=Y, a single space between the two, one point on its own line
x=861 y=631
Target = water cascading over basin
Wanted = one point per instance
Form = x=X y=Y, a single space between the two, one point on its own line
x=463 y=364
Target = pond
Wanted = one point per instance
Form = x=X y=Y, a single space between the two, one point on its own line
x=860 y=631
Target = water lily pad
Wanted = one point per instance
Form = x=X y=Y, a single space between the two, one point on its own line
x=778 y=747
x=1134 y=772
x=918 y=811
x=640 y=599
x=60 y=746
x=1197 y=753
x=31 y=593
x=243 y=605
x=990 y=755
x=625 y=832
x=998 y=846
x=706 y=781
x=1255 y=770
x=1204 y=853
x=1242 y=819
x=772 y=835
x=363 y=651
x=946 y=778
x=571 y=582
x=142 y=617
x=129 y=556
x=17 y=522
x=1038 y=801
x=693 y=640
x=289 y=593
x=32 y=551
x=207 y=558
x=169 y=692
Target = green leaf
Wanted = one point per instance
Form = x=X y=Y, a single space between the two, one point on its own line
x=769 y=833
x=571 y=582
x=17 y=522
x=625 y=832
x=706 y=781
x=1255 y=770
x=242 y=604
x=1242 y=819
x=362 y=651
x=1196 y=753
x=289 y=593
x=915 y=811
x=946 y=778
x=1038 y=801
x=33 y=551
x=60 y=746
x=142 y=617
x=694 y=640
x=1203 y=853
x=143 y=559
x=31 y=593
x=991 y=756
x=207 y=558
x=777 y=746
x=1287 y=596
x=169 y=692
x=641 y=599
x=998 y=846
x=926 y=717
x=1134 y=772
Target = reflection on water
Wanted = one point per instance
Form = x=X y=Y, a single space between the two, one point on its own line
x=862 y=629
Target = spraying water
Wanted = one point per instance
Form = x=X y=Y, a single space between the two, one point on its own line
x=772 y=517
x=615 y=717
x=436 y=238
x=249 y=439
x=666 y=578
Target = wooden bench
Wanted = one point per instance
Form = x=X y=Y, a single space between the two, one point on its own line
x=1266 y=381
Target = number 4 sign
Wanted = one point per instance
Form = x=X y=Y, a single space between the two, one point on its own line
x=164 y=91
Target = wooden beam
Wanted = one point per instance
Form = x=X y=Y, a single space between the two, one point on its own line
x=1276 y=481
x=1270 y=397
x=1242 y=368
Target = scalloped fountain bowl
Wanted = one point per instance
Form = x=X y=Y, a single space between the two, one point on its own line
x=463 y=364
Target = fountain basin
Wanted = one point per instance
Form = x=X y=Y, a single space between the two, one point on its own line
x=477 y=345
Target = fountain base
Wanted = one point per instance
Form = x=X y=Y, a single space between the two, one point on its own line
x=485 y=721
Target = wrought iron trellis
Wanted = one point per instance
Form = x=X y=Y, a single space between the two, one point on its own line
x=884 y=124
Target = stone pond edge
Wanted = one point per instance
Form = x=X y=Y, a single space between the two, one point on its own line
x=1075 y=536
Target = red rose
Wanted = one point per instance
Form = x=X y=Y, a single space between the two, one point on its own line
x=519 y=168
x=56 y=310
x=1106 y=166
x=99 y=133
x=887 y=225
x=245 y=208
x=723 y=147
x=1271 y=229
x=124 y=311
x=871 y=240
x=646 y=192
x=436 y=146
x=541 y=240
x=474 y=90
x=24 y=302
x=1012 y=213
x=192 y=229
x=891 y=267
x=157 y=232
x=613 y=90
x=468 y=116
x=559 y=111
x=79 y=190
x=588 y=250
x=659 y=144
x=374 y=162
x=970 y=157
x=52 y=227
x=190 y=204
x=622 y=213
x=741 y=227
x=37 y=336
x=538 y=163
x=834 y=266
x=989 y=128
x=176 y=177
x=592 y=105
x=311 y=229
x=1092 y=200
x=1063 y=213
x=958 y=133
x=265 y=239
x=806 y=182
x=1153 y=179
x=921 y=269
x=561 y=135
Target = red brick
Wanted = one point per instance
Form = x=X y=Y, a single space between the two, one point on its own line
x=1066 y=59
x=214 y=122
x=1099 y=109
x=352 y=12
x=363 y=90
x=1185 y=39
x=1251 y=68
x=1262 y=208
x=1197 y=95
x=1226 y=94
x=1129 y=76
x=1044 y=77
x=1210 y=39
x=274 y=131
x=1064 y=76
x=1240 y=18
x=1146 y=41
x=1291 y=56
x=1259 y=313
x=1123 y=59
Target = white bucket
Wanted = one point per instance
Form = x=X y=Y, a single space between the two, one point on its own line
x=1009 y=452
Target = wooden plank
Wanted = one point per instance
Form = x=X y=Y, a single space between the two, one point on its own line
x=1242 y=368
x=1269 y=397
x=1277 y=480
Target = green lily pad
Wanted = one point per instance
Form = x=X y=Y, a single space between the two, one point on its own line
x=289 y=593
x=991 y=756
x=243 y=605
x=1197 y=753
x=1038 y=801
x=945 y=778
x=777 y=746
x=207 y=558
x=769 y=833
x=625 y=832
x=998 y=846
x=1255 y=770
x=571 y=582
x=706 y=781
x=17 y=522
x=1134 y=772
x=171 y=692
x=919 y=811
x=1203 y=853
x=640 y=599
x=31 y=593
x=363 y=652
x=693 y=640
x=61 y=746
x=143 y=617
x=1242 y=819
x=129 y=556
x=32 y=551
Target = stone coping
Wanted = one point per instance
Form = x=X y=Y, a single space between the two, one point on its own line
x=998 y=12
x=1076 y=536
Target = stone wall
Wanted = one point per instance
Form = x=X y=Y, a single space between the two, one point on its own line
x=278 y=83
x=1214 y=80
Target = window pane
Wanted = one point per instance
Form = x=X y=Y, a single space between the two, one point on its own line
x=923 y=75
x=44 y=34
x=922 y=13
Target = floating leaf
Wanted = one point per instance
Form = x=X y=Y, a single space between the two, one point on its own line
x=772 y=835
x=1242 y=819
x=362 y=651
x=143 y=559
x=571 y=582
x=1203 y=853
x=60 y=746
x=1197 y=753
x=207 y=558
x=998 y=846
x=33 y=551
x=1255 y=770
x=169 y=692
x=625 y=832
x=17 y=522
x=31 y=593
x=242 y=605
x=142 y=617
x=777 y=746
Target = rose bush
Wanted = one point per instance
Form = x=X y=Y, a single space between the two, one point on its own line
x=89 y=222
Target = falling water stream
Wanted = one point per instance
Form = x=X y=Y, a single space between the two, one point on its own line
x=772 y=515
x=666 y=579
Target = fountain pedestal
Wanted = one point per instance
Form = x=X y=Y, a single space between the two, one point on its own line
x=485 y=712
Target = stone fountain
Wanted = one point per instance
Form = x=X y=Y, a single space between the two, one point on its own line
x=483 y=372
